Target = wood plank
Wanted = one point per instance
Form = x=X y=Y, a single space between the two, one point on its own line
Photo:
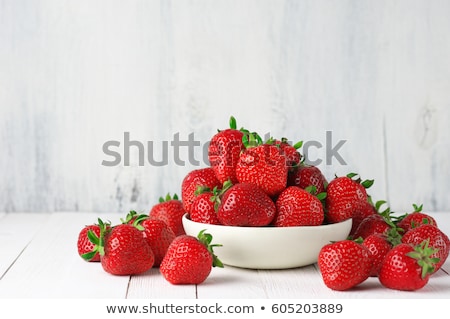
x=232 y=282
x=152 y=285
x=16 y=232
x=50 y=266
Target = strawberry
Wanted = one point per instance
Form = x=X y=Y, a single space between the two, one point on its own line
x=365 y=209
x=436 y=239
x=155 y=231
x=378 y=246
x=344 y=196
x=170 y=210
x=246 y=204
x=297 y=207
x=304 y=175
x=373 y=224
x=414 y=219
x=263 y=165
x=344 y=264
x=224 y=150
x=199 y=177
x=123 y=249
x=189 y=260
x=86 y=246
x=203 y=209
x=159 y=236
x=407 y=267
x=293 y=156
x=383 y=223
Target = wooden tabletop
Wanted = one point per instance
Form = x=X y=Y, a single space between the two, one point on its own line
x=39 y=259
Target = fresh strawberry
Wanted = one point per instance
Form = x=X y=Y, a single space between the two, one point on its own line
x=155 y=231
x=199 y=177
x=378 y=246
x=416 y=218
x=436 y=239
x=407 y=267
x=365 y=209
x=159 y=236
x=122 y=248
x=170 y=210
x=246 y=204
x=305 y=175
x=344 y=264
x=373 y=224
x=189 y=260
x=297 y=207
x=344 y=196
x=263 y=165
x=86 y=246
x=293 y=156
x=224 y=150
x=204 y=208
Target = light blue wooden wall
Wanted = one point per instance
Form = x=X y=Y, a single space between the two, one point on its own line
x=76 y=74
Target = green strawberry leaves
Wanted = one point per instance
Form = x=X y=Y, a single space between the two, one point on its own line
x=99 y=244
x=206 y=239
x=422 y=254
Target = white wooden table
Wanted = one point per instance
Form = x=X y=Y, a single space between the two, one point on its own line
x=38 y=259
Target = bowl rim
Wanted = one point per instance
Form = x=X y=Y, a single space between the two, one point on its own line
x=270 y=228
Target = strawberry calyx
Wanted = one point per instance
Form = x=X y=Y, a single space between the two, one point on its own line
x=217 y=194
x=98 y=241
x=168 y=198
x=206 y=239
x=393 y=235
x=417 y=208
x=135 y=219
x=422 y=253
x=312 y=189
x=251 y=139
x=365 y=183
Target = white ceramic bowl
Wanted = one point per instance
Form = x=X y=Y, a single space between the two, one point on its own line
x=269 y=247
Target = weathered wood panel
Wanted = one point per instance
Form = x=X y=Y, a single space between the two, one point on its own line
x=77 y=74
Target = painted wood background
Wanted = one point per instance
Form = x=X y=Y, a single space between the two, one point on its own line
x=75 y=75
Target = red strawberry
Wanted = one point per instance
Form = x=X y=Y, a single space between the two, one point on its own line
x=414 y=219
x=373 y=224
x=378 y=246
x=170 y=210
x=246 y=204
x=223 y=152
x=293 y=157
x=365 y=209
x=263 y=165
x=436 y=238
x=297 y=207
x=305 y=175
x=159 y=236
x=344 y=264
x=344 y=196
x=407 y=267
x=199 y=177
x=189 y=260
x=203 y=209
x=123 y=249
x=86 y=246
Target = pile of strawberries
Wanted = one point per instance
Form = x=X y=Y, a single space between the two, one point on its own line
x=402 y=251
x=251 y=182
